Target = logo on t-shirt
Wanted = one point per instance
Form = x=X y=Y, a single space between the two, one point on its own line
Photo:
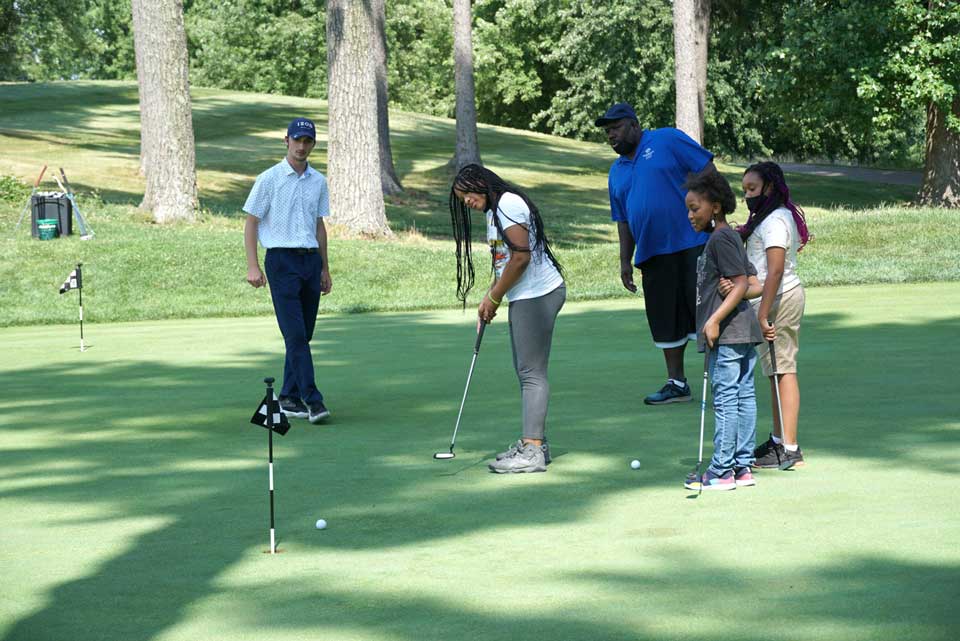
x=648 y=153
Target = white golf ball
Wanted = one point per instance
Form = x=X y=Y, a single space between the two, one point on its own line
x=635 y=464
x=321 y=524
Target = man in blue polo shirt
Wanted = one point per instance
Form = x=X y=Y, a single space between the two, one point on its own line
x=285 y=212
x=647 y=203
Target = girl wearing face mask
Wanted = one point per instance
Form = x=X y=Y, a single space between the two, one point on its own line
x=774 y=232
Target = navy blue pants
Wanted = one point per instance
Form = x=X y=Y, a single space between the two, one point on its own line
x=295 y=288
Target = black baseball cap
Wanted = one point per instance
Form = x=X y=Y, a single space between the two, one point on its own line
x=619 y=111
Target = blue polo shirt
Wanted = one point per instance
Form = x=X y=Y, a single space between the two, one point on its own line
x=288 y=205
x=647 y=193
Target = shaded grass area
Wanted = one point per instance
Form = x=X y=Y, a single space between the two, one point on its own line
x=138 y=271
x=137 y=506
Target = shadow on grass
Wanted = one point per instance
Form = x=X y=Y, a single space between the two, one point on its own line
x=154 y=440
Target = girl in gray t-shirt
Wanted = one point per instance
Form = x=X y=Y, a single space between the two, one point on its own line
x=727 y=329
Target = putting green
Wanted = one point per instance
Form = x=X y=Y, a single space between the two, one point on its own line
x=135 y=505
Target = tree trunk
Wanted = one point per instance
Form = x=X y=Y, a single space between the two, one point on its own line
x=704 y=11
x=145 y=118
x=691 y=37
x=353 y=152
x=941 y=166
x=388 y=174
x=468 y=149
x=168 y=160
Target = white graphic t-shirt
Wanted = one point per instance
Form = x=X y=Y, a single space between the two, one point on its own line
x=540 y=277
x=777 y=230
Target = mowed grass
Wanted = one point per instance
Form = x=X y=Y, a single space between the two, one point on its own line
x=135 y=506
x=140 y=271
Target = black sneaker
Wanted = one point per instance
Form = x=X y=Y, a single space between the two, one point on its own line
x=293 y=407
x=317 y=412
x=791 y=459
x=670 y=393
x=763 y=450
x=769 y=455
x=772 y=455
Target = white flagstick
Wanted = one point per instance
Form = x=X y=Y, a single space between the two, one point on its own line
x=83 y=347
x=273 y=536
x=269 y=398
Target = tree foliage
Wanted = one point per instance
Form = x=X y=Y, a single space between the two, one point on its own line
x=844 y=79
x=266 y=46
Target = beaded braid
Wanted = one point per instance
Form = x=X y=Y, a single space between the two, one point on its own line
x=476 y=179
x=772 y=174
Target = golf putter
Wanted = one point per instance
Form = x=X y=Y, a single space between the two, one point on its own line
x=776 y=387
x=703 y=414
x=86 y=233
x=473 y=363
x=29 y=202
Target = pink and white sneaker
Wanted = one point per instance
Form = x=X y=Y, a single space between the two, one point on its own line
x=743 y=477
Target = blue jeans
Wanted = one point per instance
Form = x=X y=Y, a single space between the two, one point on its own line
x=295 y=288
x=735 y=406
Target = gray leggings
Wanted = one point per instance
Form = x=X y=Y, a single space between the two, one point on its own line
x=531 y=333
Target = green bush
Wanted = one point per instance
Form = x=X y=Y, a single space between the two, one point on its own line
x=12 y=190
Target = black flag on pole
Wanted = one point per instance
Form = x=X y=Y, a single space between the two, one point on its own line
x=280 y=423
x=74 y=281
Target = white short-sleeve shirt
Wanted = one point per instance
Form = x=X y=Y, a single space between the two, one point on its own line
x=777 y=230
x=288 y=205
x=540 y=277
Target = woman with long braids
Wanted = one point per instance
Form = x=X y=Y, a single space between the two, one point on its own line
x=774 y=232
x=527 y=273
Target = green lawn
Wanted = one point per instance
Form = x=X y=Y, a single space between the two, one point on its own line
x=134 y=490
x=139 y=271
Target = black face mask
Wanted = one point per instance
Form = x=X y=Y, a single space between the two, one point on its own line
x=754 y=202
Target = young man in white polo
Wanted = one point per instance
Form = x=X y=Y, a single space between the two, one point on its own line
x=285 y=212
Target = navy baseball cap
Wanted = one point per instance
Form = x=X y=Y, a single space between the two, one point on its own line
x=300 y=127
x=617 y=112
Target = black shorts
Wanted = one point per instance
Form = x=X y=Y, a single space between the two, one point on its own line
x=670 y=294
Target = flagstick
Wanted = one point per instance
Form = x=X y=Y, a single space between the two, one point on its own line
x=80 y=290
x=269 y=382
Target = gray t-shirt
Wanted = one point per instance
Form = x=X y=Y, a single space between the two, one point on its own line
x=725 y=256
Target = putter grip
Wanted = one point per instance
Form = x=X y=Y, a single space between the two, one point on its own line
x=40 y=177
x=483 y=326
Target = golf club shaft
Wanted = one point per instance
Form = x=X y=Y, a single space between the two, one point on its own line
x=85 y=231
x=473 y=363
x=29 y=200
x=776 y=387
x=703 y=405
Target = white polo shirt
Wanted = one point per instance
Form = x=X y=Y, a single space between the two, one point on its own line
x=288 y=205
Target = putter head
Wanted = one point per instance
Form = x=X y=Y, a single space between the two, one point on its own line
x=443 y=456
x=693 y=477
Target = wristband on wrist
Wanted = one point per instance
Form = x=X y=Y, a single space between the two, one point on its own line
x=494 y=300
